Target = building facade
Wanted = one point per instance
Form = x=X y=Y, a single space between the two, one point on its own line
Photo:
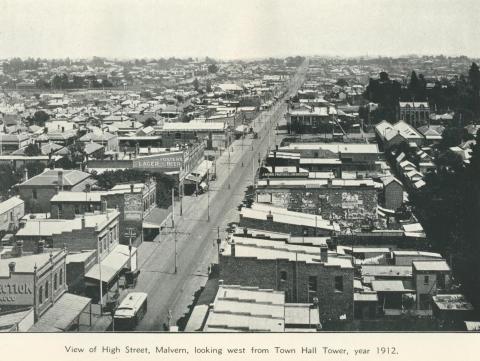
x=37 y=191
x=35 y=279
x=301 y=277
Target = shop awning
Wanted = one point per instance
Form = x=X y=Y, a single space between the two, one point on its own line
x=156 y=218
x=62 y=314
x=112 y=265
x=148 y=225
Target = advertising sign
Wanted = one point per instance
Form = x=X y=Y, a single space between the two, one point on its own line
x=167 y=161
x=16 y=290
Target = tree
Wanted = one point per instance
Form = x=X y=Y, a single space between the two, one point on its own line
x=32 y=150
x=342 y=82
x=452 y=136
x=196 y=84
x=386 y=93
x=42 y=84
x=212 y=68
x=451 y=161
x=75 y=157
x=474 y=166
x=209 y=86
x=474 y=78
x=150 y=122
x=9 y=179
x=413 y=84
x=40 y=117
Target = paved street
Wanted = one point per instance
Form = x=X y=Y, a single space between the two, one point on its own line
x=170 y=292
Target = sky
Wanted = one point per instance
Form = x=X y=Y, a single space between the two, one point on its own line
x=233 y=29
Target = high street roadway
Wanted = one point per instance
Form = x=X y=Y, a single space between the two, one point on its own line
x=169 y=292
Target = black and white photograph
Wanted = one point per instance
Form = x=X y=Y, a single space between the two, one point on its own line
x=304 y=168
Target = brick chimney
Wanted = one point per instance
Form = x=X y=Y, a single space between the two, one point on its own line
x=270 y=216
x=60 y=179
x=11 y=267
x=132 y=188
x=19 y=248
x=245 y=231
x=274 y=161
x=324 y=254
x=40 y=246
x=83 y=222
x=25 y=174
x=104 y=207
x=232 y=245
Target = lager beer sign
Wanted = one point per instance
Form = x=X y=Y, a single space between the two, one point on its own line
x=164 y=161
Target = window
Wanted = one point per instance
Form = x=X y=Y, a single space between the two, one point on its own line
x=426 y=280
x=34 y=194
x=46 y=290
x=312 y=284
x=60 y=210
x=77 y=209
x=441 y=281
x=283 y=276
x=61 y=276
x=55 y=280
x=339 y=283
x=178 y=136
x=40 y=295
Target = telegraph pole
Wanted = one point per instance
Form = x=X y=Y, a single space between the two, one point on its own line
x=173 y=208
x=181 y=193
x=130 y=233
x=175 y=243
x=219 y=241
x=228 y=168
x=208 y=194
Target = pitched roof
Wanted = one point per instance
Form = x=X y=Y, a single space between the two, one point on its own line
x=387 y=180
x=9 y=204
x=96 y=137
x=268 y=249
x=389 y=286
x=46 y=227
x=439 y=265
x=49 y=177
x=388 y=131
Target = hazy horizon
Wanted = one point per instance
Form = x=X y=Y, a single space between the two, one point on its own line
x=234 y=29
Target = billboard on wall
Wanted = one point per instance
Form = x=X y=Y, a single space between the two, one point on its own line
x=133 y=207
x=162 y=161
x=17 y=290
